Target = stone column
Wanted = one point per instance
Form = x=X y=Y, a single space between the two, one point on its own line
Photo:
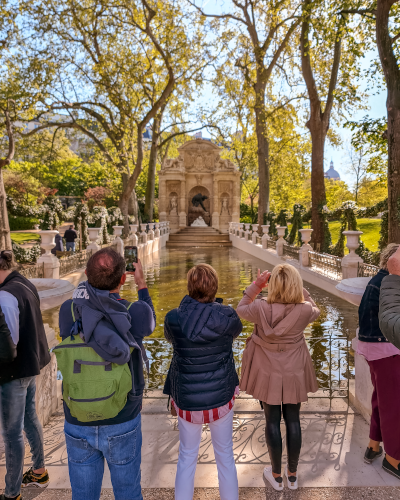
x=215 y=207
x=117 y=240
x=143 y=234
x=150 y=234
x=241 y=235
x=265 y=236
x=279 y=244
x=182 y=206
x=93 y=236
x=134 y=238
x=157 y=231
x=255 y=233
x=304 y=258
x=351 y=261
x=163 y=202
x=51 y=265
x=247 y=232
x=236 y=200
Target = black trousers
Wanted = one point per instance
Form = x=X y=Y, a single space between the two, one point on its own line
x=291 y=416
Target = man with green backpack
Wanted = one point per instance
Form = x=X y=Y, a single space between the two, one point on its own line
x=101 y=361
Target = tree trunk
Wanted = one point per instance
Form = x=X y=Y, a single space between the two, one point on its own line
x=392 y=77
x=262 y=154
x=318 y=194
x=131 y=181
x=5 y=238
x=151 y=175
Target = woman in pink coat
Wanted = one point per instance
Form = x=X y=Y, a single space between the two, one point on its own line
x=277 y=368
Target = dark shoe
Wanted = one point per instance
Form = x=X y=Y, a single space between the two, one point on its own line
x=370 y=455
x=32 y=479
x=389 y=468
x=3 y=497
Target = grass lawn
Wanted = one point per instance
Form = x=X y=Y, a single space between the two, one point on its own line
x=370 y=228
x=24 y=237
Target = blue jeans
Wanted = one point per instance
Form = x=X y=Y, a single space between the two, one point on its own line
x=18 y=411
x=70 y=246
x=119 y=444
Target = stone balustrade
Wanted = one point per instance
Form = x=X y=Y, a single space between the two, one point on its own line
x=147 y=245
x=332 y=268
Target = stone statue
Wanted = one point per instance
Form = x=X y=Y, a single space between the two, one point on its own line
x=198 y=201
x=174 y=206
x=199 y=222
x=225 y=206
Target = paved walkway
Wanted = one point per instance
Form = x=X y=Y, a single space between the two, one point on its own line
x=331 y=463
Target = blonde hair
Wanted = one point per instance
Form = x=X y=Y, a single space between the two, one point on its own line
x=285 y=285
x=386 y=254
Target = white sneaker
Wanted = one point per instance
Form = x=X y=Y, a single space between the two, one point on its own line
x=277 y=483
x=292 y=485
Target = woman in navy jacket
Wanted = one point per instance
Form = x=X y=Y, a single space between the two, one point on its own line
x=202 y=379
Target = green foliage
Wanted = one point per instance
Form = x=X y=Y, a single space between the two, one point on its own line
x=247 y=214
x=270 y=219
x=370 y=133
x=25 y=237
x=26 y=255
x=53 y=215
x=81 y=215
x=297 y=224
x=21 y=223
x=348 y=222
x=282 y=220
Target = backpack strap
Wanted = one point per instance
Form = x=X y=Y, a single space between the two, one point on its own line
x=130 y=303
x=72 y=311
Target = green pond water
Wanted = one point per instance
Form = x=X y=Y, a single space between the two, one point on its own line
x=328 y=337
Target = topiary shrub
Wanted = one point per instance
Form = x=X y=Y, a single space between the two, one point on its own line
x=22 y=223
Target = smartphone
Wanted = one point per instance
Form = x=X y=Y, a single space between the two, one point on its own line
x=131 y=258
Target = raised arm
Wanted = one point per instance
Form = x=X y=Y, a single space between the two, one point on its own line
x=315 y=311
x=247 y=308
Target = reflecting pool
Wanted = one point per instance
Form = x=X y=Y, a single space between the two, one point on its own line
x=328 y=337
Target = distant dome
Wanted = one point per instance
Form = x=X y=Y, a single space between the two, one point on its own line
x=332 y=174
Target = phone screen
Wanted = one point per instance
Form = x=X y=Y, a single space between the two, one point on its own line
x=131 y=258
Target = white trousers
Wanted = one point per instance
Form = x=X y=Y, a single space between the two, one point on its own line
x=221 y=437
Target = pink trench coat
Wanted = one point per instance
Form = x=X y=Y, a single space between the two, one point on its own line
x=277 y=366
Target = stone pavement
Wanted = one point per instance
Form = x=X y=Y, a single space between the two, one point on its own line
x=331 y=463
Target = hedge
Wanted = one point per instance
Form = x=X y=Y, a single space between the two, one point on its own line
x=22 y=223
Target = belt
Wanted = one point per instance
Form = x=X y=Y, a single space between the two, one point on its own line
x=277 y=347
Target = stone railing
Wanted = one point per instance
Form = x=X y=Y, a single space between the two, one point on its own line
x=151 y=239
x=311 y=264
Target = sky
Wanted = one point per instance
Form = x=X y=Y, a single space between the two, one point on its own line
x=376 y=106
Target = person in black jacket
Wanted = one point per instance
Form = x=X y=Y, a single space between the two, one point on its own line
x=202 y=380
x=20 y=305
x=70 y=236
x=384 y=362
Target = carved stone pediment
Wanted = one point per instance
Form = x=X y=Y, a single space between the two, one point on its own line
x=198 y=156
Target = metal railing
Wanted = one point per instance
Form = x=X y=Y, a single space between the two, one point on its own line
x=367 y=271
x=331 y=360
x=33 y=272
x=271 y=244
x=291 y=251
x=74 y=262
x=325 y=264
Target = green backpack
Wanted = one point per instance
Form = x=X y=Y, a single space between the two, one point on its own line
x=93 y=389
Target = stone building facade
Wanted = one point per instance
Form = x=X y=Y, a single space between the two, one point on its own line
x=199 y=169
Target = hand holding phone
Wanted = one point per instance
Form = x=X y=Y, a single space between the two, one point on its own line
x=131 y=258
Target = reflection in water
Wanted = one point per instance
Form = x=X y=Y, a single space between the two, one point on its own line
x=166 y=278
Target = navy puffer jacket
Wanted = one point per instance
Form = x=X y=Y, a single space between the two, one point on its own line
x=202 y=374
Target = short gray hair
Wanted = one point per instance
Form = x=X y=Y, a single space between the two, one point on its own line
x=386 y=254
